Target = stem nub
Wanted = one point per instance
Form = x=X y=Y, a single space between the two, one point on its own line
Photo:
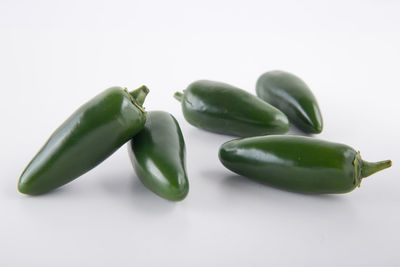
x=369 y=168
x=140 y=94
x=178 y=96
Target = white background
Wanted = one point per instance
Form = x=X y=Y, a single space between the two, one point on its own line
x=56 y=55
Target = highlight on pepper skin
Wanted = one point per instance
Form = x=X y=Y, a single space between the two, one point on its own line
x=299 y=164
x=225 y=109
x=158 y=156
x=293 y=97
x=90 y=135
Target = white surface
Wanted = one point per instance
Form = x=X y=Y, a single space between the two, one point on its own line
x=55 y=55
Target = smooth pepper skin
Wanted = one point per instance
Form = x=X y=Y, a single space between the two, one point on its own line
x=225 y=109
x=86 y=138
x=300 y=164
x=158 y=156
x=293 y=97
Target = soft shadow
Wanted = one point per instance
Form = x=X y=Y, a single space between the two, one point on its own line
x=236 y=181
x=296 y=131
x=234 y=184
x=129 y=189
x=63 y=190
x=207 y=135
x=201 y=134
x=199 y=131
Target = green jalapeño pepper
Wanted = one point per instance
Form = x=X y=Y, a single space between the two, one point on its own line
x=222 y=108
x=291 y=95
x=300 y=164
x=85 y=139
x=158 y=156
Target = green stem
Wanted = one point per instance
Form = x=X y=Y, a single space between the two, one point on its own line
x=368 y=168
x=140 y=94
x=178 y=96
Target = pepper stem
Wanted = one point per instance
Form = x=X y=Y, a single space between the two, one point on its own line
x=140 y=94
x=178 y=96
x=368 y=168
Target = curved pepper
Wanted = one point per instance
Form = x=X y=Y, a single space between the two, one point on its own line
x=293 y=97
x=158 y=156
x=300 y=164
x=85 y=139
x=222 y=108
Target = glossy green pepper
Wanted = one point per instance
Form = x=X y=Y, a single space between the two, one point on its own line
x=300 y=164
x=158 y=156
x=222 y=108
x=85 y=139
x=291 y=95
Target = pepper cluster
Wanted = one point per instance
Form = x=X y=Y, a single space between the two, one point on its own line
x=157 y=148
